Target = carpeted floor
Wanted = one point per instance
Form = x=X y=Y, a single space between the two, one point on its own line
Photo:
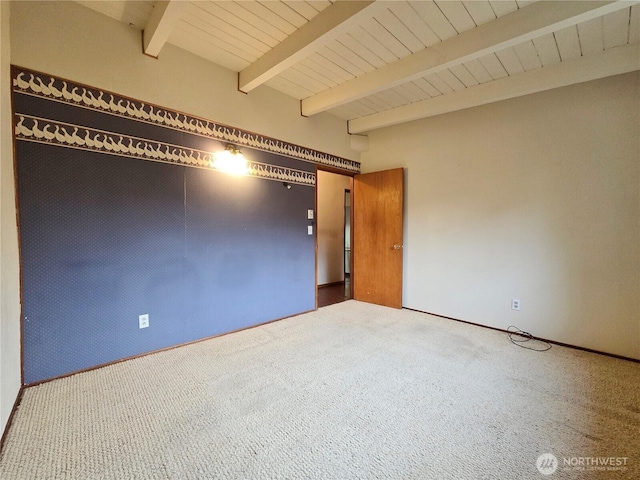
x=350 y=391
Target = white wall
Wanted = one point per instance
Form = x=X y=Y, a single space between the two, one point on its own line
x=330 y=224
x=74 y=42
x=536 y=198
x=9 y=267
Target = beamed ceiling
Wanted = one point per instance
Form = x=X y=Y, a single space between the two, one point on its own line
x=381 y=63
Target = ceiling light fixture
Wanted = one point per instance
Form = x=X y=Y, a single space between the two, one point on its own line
x=230 y=160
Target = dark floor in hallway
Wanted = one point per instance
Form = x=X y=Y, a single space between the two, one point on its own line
x=334 y=293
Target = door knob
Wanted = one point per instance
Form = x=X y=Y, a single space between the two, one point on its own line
x=397 y=247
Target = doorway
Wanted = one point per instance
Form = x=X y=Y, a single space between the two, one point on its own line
x=333 y=224
x=347 y=243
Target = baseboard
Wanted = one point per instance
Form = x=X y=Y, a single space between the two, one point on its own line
x=10 y=419
x=554 y=342
x=331 y=284
x=126 y=359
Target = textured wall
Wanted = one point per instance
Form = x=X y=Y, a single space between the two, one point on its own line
x=73 y=42
x=9 y=266
x=107 y=234
x=536 y=198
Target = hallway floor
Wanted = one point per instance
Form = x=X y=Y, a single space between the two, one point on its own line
x=334 y=293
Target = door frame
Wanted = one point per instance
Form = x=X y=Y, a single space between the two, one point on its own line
x=315 y=223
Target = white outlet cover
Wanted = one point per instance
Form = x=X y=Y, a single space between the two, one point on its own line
x=309 y=214
x=143 y=320
x=310 y=230
x=515 y=304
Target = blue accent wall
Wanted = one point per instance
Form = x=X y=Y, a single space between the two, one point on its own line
x=105 y=238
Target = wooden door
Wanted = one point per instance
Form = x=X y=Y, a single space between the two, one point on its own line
x=377 y=237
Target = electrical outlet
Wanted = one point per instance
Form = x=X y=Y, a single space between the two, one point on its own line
x=309 y=229
x=309 y=214
x=143 y=320
x=515 y=304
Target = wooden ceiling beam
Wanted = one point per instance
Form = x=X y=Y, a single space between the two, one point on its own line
x=614 y=61
x=532 y=21
x=160 y=25
x=316 y=33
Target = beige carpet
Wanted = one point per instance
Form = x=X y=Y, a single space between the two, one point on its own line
x=350 y=391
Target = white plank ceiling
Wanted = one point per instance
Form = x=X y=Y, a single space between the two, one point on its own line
x=380 y=63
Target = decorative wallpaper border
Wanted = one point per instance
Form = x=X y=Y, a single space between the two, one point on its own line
x=52 y=88
x=42 y=130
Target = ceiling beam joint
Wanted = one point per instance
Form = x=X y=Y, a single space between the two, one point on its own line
x=163 y=19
